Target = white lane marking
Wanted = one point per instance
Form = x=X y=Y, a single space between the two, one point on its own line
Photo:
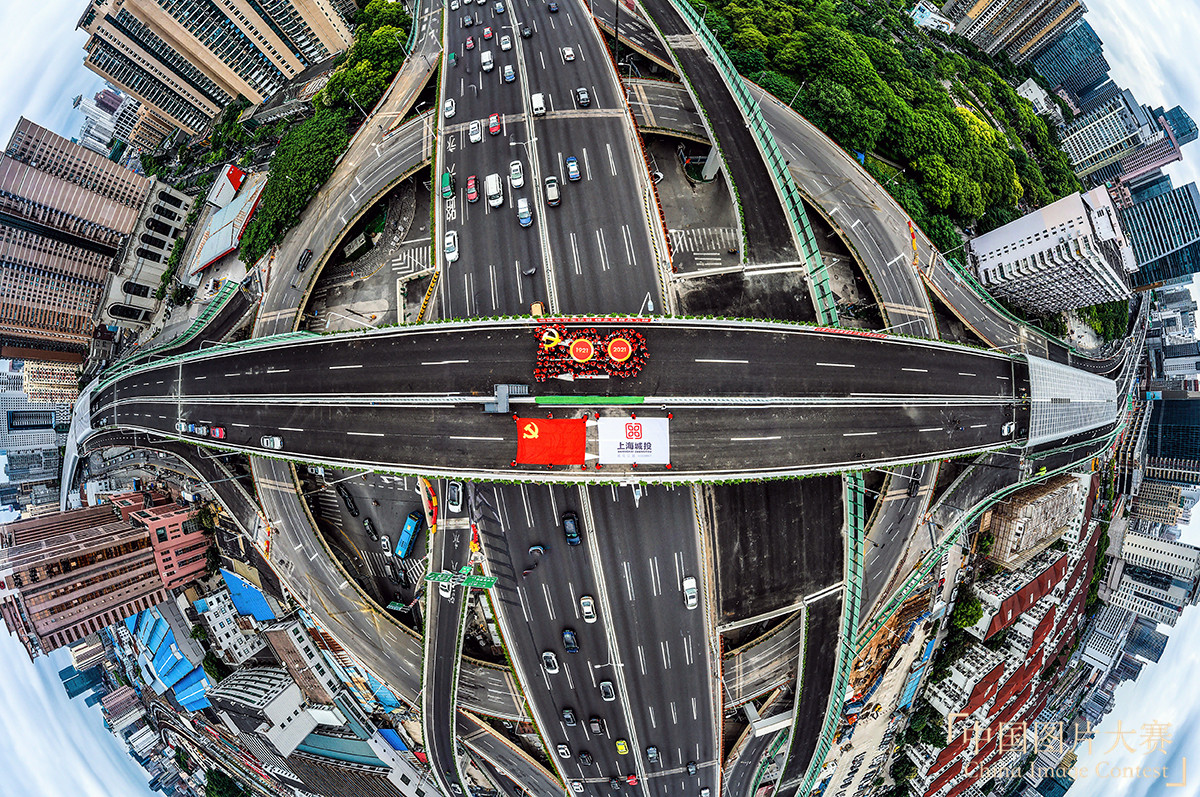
x=243 y=425
x=628 y=580
x=932 y=429
x=524 y=608
x=837 y=365
x=603 y=250
x=365 y=434
x=737 y=362
x=235 y=373
x=978 y=426
x=447 y=362
x=916 y=370
x=642 y=659
x=964 y=373
x=674 y=714
x=495 y=439
x=653 y=723
x=339 y=367
x=293 y=429
x=549 y=606
x=1005 y=378
x=745 y=439
x=200 y=377
x=611 y=164
x=666 y=654
x=655 y=581
x=858 y=434
x=280 y=371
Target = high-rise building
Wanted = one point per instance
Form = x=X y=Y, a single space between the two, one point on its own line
x=1022 y=28
x=1145 y=640
x=66 y=215
x=188 y=59
x=1162 y=147
x=87 y=652
x=51 y=383
x=1162 y=555
x=1069 y=254
x=1156 y=596
x=1110 y=132
x=1158 y=502
x=1164 y=231
x=1174 y=431
x=76 y=682
x=65 y=576
x=111 y=116
x=1031 y=520
x=1098 y=96
x=1075 y=60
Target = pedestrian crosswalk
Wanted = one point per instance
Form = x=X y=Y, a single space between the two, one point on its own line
x=704 y=240
x=411 y=259
x=329 y=507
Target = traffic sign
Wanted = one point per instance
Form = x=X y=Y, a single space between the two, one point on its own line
x=462 y=577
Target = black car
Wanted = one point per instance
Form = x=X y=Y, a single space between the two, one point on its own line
x=351 y=507
x=585 y=758
x=570 y=642
x=526 y=31
x=305 y=259
x=370 y=527
x=570 y=524
x=581 y=94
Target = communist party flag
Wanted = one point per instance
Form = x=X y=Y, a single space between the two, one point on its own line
x=542 y=441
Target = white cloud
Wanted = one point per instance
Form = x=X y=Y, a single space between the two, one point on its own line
x=54 y=745
x=1151 y=47
x=41 y=65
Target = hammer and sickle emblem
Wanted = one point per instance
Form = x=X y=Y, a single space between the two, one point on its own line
x=530 y=431
x=550 y=339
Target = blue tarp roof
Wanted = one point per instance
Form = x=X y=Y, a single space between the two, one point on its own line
x=247 y=598
x=200 y=606
x=393 y=738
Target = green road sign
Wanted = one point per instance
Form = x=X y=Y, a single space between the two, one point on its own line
x=462 y=577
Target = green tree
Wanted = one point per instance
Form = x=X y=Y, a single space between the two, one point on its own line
x=221 y=785
x=832 y=107
x=967 y=611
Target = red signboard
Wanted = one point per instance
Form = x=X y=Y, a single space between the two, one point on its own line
x=620 y=350
x=545 y=441
x=582 y=350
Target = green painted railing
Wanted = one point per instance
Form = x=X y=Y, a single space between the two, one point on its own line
x=793 y=205
x=590 y=400
x=772 y=751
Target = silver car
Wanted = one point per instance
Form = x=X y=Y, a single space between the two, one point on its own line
x=475 y=132
x=516 y=176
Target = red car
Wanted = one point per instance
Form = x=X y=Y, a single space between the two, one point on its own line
x=218 y=432
x=470 y=43
x=472 y=189
x=494 y=124
x=487 y=33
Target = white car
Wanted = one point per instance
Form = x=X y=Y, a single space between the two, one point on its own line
x=453 y=5
x=452 y=246
x=449 y=109
x=505 y=43
x=691 y=597
x=180 y=426
x=564 y=751
x=446 y=589
x=568 y=54
x=385 y=542
x=475 y=132
x=550 y=661
x=516 y=177
x=272 y=442
x=577 y=786
x=587 y=608
x=454 y=496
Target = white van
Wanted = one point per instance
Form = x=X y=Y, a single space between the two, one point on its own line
x=485 y=61
x=539 y=104
x=494 y=190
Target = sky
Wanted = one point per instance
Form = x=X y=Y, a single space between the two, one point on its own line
x=1151 y=47
x=55 y=746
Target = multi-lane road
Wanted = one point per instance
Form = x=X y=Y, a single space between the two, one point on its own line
x=598 y=249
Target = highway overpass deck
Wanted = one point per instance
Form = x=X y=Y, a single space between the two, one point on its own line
x=662 y=107
x=631 y=29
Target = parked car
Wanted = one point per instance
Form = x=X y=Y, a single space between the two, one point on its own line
x=369 y=527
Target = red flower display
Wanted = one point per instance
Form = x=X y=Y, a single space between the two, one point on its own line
x=585 y=351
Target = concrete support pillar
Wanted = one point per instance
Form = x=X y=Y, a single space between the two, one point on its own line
x=712 y=164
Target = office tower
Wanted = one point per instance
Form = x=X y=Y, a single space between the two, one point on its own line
x=1108 y=133
x=87 y=652
x=76 y=682
x=1145 y=640
x=1171 y=557
x=68 y=575
x=27 y=426
x=188 y=59
x=66 y=214
x=1164 y=231
x=111 y=115
x=1075 y=60
x=1098 y=96
x=1032 y=520
x=1068 y=254
x=1156 y=596
x=1158 y=502
x=1174 y=431
x=1022 y=28
x=1164 y=145
x=1149 y=185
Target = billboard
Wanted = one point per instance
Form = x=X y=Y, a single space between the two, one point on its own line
x=646 y=441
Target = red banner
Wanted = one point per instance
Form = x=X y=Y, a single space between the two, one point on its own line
x=542 y=441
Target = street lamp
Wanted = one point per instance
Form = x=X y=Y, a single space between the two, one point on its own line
x=524 y=144
x=352 y=99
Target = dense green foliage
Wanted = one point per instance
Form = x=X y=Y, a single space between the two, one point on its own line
x=1108 y=320
x=973 y=150
x=221 y=785
x=967 y=611
x=303 y=161
x=926 y=726
x=368 y=67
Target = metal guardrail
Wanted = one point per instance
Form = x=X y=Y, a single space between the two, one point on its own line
x=412 y=31
x=218 y=302
x=793 y=205
x=771 y=752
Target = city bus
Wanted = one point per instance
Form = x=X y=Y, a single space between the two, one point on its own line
x=411 y=526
